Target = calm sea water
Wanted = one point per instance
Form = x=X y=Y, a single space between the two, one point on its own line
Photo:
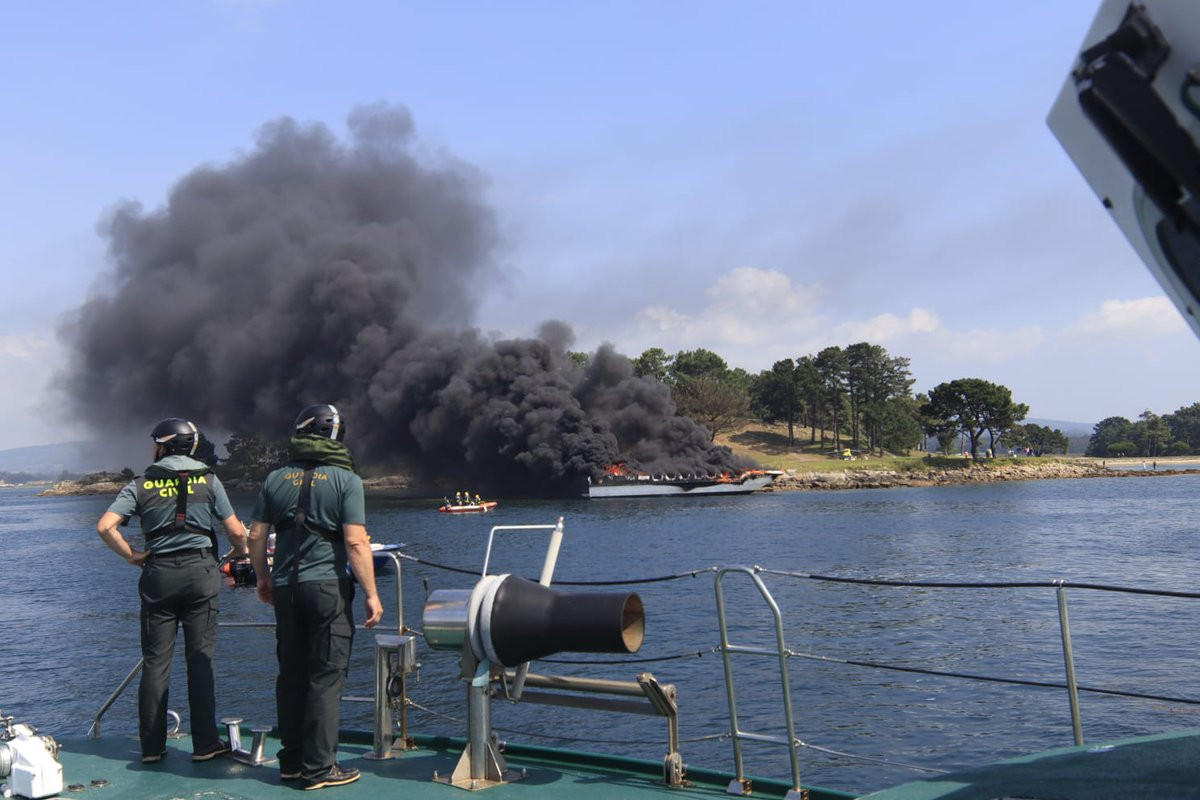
x=68 y=619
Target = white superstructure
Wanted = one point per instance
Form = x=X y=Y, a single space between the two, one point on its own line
x=643 y=485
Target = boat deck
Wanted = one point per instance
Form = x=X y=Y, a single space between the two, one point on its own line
x=1161 y=767
x=548 y=773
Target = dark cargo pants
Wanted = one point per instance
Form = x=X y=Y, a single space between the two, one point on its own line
x=178 y=589
x=314 y=629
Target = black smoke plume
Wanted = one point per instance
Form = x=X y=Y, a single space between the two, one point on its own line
x=312 y=270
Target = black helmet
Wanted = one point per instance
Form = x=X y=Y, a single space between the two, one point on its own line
x=177 y=436
x=322 y=420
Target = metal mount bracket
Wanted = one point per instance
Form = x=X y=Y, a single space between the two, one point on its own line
x=254 y=757
x=395 y=658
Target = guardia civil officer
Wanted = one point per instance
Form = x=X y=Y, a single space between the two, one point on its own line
x=315 y=504
x=178 y=501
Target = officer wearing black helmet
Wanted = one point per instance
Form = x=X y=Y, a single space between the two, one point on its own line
x=315 y=504
x=178 y=502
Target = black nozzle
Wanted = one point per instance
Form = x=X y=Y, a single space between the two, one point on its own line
x=530 y=621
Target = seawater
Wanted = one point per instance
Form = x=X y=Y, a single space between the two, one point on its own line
x=69 y=611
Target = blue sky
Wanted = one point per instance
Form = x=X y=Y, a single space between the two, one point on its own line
x=762 y=179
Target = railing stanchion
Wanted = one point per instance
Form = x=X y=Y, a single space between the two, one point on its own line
x=740 y=784
x=731 y=698
x=1069 y=664
x=399 y=593
x=94 y=731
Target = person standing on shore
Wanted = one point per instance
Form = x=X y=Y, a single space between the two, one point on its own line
x=315 y=503
x=178 y=502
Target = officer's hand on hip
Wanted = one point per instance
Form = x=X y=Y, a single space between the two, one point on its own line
x=263 y=590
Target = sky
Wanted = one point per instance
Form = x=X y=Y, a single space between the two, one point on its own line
x=761 y=179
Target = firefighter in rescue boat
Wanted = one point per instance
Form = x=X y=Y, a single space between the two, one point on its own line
x=178 y=501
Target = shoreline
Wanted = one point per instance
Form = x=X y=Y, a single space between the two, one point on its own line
x=825 y=480
x=850 y=478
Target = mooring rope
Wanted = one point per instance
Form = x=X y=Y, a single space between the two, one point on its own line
x=1056 y=584
x=693 y=573
x=651 y=742
x=649 y=660
x=850 y=662
x=991 y=678
x=980 y=584
x=626 y=582
x=712 y=737
x=871 y=759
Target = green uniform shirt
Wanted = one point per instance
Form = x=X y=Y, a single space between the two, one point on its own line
x=336 y=499
x=152 y=499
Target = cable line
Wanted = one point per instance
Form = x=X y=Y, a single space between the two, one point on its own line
x=873 y=760
x=993 y=679
x=626 y=582
x=1055 y=584
x=981 y=584
x=696 y=654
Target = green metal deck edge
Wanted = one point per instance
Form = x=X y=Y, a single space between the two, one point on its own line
x=1162 y=766
x=636 y=766
x=552 y=772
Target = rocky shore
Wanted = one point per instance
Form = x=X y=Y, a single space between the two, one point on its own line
x=386 y=483
x=72 y=488
x=797 y=480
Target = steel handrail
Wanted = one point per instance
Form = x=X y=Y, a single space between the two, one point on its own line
x=740 y=784
x=94 y=730
x=781 y=651
x=1064 y=624
x=394 y=555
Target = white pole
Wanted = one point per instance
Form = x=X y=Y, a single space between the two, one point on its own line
x=552 y=554
x=547 y=575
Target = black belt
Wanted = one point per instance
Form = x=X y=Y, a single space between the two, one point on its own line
x=187 y=551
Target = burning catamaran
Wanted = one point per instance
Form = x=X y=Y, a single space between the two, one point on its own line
x=621 y=480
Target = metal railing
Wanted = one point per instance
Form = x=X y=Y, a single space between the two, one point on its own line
x=645 y=696
x=1071 y=685
x=393 y=554
x=94 y=730
x=741 y=784
x=727 y=649
x=783 y=654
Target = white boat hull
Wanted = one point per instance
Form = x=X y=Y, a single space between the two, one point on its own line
x=660 y=487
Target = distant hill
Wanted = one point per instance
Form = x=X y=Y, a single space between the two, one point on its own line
x=1078 y=433
x=52 y=460
x=80 y=458
x=1069 y=428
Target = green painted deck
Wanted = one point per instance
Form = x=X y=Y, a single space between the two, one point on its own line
x=1162 y=767
x=549 y=774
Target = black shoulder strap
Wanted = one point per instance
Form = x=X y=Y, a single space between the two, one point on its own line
x=181 y=480
x=181 y=501
x=300 y=526
x=301 y=517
